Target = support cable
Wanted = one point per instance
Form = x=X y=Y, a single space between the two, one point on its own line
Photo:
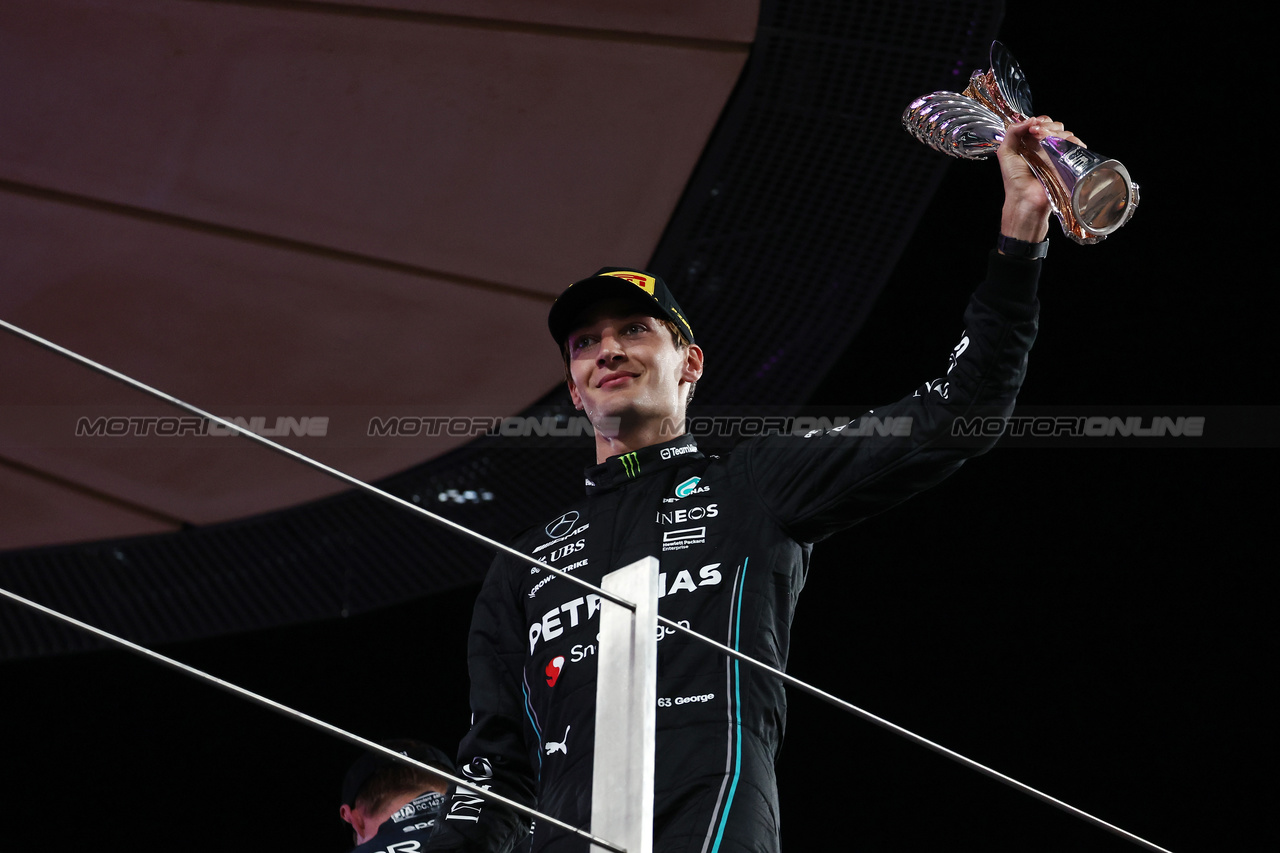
x=918 y=739
x=307 y=719
x=505 y=549
x=440 y=520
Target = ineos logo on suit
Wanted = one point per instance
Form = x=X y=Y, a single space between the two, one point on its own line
x=693 y=513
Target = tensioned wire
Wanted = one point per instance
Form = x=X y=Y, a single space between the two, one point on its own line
x=504 y=549
x=304 y=718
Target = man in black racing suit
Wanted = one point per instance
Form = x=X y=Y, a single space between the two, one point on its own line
x=391 y=806
x=733 y=536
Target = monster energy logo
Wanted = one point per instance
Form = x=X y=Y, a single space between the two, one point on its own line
x=630 y=464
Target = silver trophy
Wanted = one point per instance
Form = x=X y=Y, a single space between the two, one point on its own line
x=1091 y=195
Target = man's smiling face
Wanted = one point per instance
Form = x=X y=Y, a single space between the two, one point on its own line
x=624 y=366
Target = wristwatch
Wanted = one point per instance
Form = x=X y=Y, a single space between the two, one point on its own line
x=1022 y=249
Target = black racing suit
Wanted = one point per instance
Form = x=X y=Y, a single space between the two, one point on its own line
x=733 y=537
x=408 y=829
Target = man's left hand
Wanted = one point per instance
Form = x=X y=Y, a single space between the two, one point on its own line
x=1026 y=206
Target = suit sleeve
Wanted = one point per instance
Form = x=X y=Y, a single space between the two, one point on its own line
x=817 y=484
x=493 y=753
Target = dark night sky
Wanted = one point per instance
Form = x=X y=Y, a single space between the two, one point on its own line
x=1089 y=620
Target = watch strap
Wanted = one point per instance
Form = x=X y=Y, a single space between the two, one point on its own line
x=1021 y=248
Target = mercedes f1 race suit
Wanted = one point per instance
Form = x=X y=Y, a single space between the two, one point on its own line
x=733 y=537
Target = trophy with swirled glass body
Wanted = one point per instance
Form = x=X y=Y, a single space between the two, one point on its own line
x=1091 y=195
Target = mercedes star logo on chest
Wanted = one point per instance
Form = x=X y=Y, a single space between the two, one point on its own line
x=563 y=524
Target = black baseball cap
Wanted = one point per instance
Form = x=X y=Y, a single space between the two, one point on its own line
x=608 y=283
x=371 y=762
